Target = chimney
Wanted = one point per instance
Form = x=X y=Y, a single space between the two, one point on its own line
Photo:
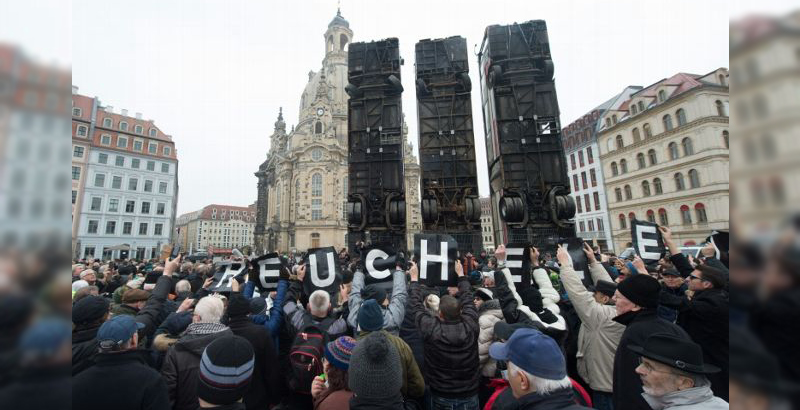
x=138 y=116
x=74 y=89
x=110 y=109
x=124 y=112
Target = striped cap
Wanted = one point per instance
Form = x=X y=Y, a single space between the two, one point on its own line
x=338 y=352
x=225 y=370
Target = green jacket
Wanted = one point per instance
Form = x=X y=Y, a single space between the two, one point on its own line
x=413 y=383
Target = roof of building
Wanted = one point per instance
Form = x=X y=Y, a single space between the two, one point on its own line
x=755 y=28
x=223 y=212
x=338 y=20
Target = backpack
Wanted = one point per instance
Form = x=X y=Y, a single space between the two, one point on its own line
x=305 y=355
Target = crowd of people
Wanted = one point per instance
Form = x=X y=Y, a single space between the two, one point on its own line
x=151 y=335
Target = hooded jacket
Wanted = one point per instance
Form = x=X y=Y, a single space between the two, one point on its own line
x=697 y=398
x=599 y=334
x=393 y=314
x=181 y=366
x=488 y=315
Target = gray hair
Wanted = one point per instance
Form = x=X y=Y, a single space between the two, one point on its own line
x=210 y=309
x=183 y=286
x=319 y=302
x=539 y=385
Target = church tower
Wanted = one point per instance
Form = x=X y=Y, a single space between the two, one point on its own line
x=337 y=37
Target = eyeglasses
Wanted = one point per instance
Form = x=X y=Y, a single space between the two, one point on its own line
x=650 y=369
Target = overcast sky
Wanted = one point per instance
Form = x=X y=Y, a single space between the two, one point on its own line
x=213 y=73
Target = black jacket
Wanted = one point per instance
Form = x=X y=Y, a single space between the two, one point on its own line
x=119 y=381
x=152 y=314
x=451 y=347
x=84 y=349
x=705 y=319
x=43 y=388
x=639 y=326
x=181 y=368
x=265 y=373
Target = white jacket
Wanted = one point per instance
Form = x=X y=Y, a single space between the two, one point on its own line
x=487 y=319
x=559 y=324
x=550 y=296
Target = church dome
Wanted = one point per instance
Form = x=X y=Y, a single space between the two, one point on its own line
x=339 y=21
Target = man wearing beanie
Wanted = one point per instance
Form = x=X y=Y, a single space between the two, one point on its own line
x=636 y=303
x=331 y=390
x=537 y=371
x=452 y=368
x=122 y=377
x=87 y=316
x=226 y=369
x=599 y=334
x=393 y=308
x=375 y=375
x=370 y=320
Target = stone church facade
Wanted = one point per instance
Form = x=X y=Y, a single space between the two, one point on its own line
x=302 y=184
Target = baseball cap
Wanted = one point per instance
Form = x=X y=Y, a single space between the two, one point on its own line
x=116 y=331
x=534 y=352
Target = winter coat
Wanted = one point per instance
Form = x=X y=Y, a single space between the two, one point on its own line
x=639 y=326
x=513 y=309
x=261 y=392
x=697 y=398
x=563 y=399
x=392 y=403
x=705 y=319
x=413 y=382
x=393 y=315
x=38 y=388
x=488 y=315
x=84 y=349
x=599 y=334
x=120 y=381
x=181 y=366
x=152 y=314
x=297 y=317
x=549 y=294
x=333 y=400
x=668 y=313
x=410 y=334
x=448 y=343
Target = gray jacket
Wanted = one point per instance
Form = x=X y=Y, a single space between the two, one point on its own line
x=393 y=315
x=599 y=334
x=697 y=398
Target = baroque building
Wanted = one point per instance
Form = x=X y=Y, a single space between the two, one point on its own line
x=302 y=184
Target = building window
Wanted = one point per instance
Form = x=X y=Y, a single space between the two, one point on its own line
x=622 y=222
x=583 y=179
x=662 y=95
x=148 y=186
x=596 y=201
x=151 y=165
x=316 y=209
x=633 y=109
x=580 y=157
x=623 y=166
x=651 y=216
x=726 y=139
x=138 y=129
x=143 y=228
x=619 y=142
x=579 y=203
x=105 y=139
x=721 y=111
x=130 y=206
x=618 y=194
x=582 y=227
x=162 y=187
x=647 y=131
x=593 y=177
x=631 y=216
x=145 y=207
x=667 y=121
x=673 y=150
x=318 y=128
x=628 y=192
x=694 y=178
x=102 y=158
x=122 y=142
x=575 y=182
x=152 y=148
x=316 y=185
x=127 y=228
x=165 y=167
x=657 y=186
x=614 y=169
x=123 y=126
x=316 y=154
x=640 y=105
x=688 y=148
x=133 y=184
x=587 y=203
x=74 y=197
x=315 y=240
x=681 y=115
x=82 y=130
x=99 y=180
x=119 y=161
x=158 y=229
x=679 y=184
x=589 y=155
x=96 y=203
x=77 y=152
x=166 y=151
x=135 y=163
x=662 y=217
x=572 y=160
x=636 y=136
x=700 y=211
x=651 y=155
x=686 y=216
x=645 y=188
x=108 y=122
x=614 y=118
x=92 y=228
x=600 y=224
x=111 y=227
x=116 y=182
x=153 y=132
x=138 y=145
x=640 y=160
x=113 y=205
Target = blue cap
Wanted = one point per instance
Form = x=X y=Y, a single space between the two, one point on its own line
x=534 y=352
x=44 y=338
x=118 y=330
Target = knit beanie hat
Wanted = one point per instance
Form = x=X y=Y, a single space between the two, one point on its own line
x=338 y=352
x=375 y=369
x=258 y=306
x=89 y=309
x=225 y=370
x=642 y=290
x=238 y=306
x=370 y=316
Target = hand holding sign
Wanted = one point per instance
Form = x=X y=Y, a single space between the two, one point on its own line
x=500 y=253
x=638 y=263
x=459 y=269
x=589 y=253
x=563 y=257
x=301 y=272
x=413 y=272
